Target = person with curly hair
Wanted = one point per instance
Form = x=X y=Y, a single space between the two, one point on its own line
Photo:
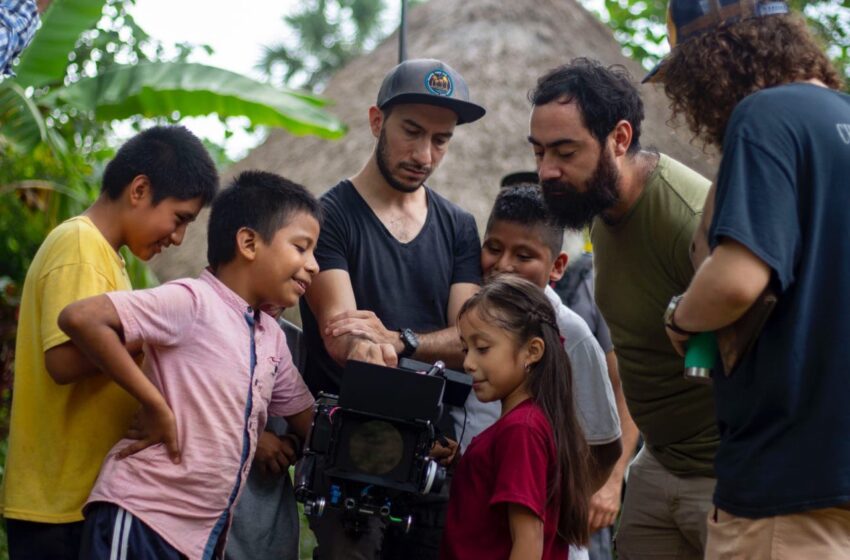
x=749 y=79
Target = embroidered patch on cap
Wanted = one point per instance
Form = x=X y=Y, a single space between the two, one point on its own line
x=439 y=83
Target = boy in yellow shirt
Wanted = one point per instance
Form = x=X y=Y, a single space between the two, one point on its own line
x=65 y=414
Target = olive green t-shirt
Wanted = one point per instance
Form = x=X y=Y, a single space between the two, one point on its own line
x=640 y=263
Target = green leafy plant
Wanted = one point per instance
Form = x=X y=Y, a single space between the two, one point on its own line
x=640 y=27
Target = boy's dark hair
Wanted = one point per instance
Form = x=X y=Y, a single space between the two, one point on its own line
x=173 y=159
x=524 y=204
x=264 y=202
x=523 y=310
x=604 y=96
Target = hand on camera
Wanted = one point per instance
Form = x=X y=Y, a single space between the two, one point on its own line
x=363 y=324
x=380 y=354
x=445 y=454
x=274 y=454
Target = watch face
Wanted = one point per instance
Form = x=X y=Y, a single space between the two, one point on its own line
x=671 y=307
x=411 y=338
x=411 y=341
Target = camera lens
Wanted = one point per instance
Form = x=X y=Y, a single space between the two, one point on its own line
x=433 y=477
x=439 y=479
x=376 y=447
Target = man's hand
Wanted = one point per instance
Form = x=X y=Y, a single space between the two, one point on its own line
x=156 y=425
x=366 y=325
x=679 y=341
x=366 y=351
x=605 y=504
x=445 y=454
x=274 y=454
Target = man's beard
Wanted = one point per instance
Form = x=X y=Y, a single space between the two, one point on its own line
x=384 y=167
x=574 y=210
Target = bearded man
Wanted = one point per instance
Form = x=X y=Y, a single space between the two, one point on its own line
x=644 y=208
x=397 y=262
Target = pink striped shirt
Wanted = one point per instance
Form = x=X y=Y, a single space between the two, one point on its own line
x=201 y=341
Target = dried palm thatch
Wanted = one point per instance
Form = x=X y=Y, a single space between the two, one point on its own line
x=500 y=48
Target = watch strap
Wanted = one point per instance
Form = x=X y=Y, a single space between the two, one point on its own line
x=670 y=323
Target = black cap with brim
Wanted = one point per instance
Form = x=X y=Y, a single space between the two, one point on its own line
x=466 y=112
x=656 y=73
x=688 y=18
x=430 y=82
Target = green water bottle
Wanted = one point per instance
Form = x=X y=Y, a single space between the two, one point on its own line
x=700 y=357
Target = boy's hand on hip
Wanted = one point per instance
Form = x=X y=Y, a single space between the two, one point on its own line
x=137 y=428
x=157 y=425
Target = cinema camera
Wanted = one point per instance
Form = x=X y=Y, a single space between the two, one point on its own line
x=368 y=448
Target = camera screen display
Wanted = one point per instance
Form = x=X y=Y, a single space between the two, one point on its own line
x=375 y=447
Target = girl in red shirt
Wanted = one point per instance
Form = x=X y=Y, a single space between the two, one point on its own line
x=521 y=489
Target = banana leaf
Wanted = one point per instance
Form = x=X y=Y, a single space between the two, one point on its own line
x=46 y=58
x=159 y=88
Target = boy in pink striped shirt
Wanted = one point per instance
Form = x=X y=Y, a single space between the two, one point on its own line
x=215 y=367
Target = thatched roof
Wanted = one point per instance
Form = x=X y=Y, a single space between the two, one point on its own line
x=500 y=48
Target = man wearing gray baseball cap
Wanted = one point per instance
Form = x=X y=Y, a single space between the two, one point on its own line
x=397 y=261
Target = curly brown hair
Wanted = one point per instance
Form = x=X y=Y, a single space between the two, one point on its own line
x=707 y=76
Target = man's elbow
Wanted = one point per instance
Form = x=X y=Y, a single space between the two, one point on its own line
x=740 y=296
x=746 y=275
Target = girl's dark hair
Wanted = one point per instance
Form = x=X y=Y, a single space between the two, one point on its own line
x=707 y=76
x=521 y=308
x=262 y=201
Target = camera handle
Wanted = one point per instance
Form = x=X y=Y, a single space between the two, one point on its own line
x=437 y=370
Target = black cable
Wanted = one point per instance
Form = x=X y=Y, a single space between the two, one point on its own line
x=463 y=429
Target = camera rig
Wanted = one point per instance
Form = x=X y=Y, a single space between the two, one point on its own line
x=369 y=447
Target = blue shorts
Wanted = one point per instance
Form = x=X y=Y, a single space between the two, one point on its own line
x=29 y=540
x=112 y=533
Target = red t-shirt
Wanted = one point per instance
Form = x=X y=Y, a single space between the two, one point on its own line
x=512 y=461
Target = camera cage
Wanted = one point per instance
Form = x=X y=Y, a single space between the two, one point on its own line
x=369 y=447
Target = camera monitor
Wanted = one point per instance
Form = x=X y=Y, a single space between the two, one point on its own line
x=390 y=392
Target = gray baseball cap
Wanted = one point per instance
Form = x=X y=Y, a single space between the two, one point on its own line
x=429 y=81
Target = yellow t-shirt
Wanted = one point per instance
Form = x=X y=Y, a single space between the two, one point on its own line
x=60 y=434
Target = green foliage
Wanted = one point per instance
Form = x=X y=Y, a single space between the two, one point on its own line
x=185 y=89
x=640 y=27
x=46 y=58
x=88 y=65
x=28 y=209
x=323 y=36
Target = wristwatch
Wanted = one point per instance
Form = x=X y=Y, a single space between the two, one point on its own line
x=411 y=343
x=669 y=322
